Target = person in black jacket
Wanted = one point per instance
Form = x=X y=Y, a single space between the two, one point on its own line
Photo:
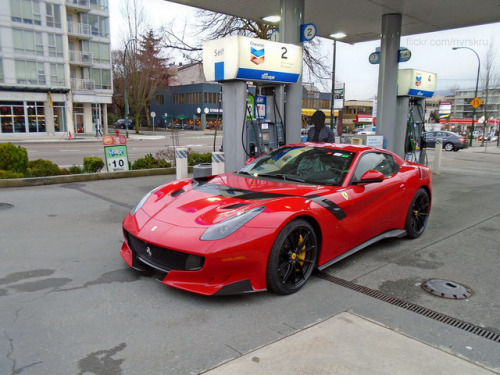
x=319 y=132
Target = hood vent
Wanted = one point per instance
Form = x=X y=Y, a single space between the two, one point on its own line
x=177 y=192
x=234 y=206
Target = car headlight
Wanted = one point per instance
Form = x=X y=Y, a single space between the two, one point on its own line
x=231 y=225
x=141 y=202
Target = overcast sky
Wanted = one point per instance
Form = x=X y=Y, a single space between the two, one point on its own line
x=431 y=52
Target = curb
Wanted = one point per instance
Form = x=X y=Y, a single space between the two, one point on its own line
x=64 y=179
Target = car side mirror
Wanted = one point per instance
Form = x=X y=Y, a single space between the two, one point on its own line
x=371 y=176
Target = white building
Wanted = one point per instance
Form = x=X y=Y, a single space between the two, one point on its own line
x=55 y=66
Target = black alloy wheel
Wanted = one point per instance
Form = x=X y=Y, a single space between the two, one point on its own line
x=418 y=214
x=292 y=258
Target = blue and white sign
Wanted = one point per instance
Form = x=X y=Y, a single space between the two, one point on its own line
x=374 y=58
x=250 y=59
x=275 y=35
x=260 y=107
x=413 y=82
x=404 y=54
x=307 y=32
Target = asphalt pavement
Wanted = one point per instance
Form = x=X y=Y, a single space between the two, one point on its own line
x=71 y=306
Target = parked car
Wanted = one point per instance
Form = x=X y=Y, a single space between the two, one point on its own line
x=268 y=226
x=120 y=124
x=451 y=141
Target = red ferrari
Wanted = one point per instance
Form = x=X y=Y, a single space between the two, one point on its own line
x=269 y=225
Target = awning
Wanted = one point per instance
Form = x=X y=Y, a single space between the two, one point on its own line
x=310 y=111
x=182 y=117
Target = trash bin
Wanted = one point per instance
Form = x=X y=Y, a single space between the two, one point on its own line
x=202 y=170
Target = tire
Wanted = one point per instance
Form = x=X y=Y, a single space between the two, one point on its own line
x=448 y=146
x=292 y=258
x=418 y=214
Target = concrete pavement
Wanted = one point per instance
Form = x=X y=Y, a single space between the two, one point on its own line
x=348 y=344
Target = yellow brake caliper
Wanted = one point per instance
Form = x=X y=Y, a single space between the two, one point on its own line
x=302 y=254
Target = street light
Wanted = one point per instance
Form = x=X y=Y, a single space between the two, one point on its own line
x=125 y=93
x=332 y=107
x=475 y=94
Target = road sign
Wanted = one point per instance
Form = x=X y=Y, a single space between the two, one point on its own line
x=476 y=102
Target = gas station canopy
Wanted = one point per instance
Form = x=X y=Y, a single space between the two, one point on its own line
x=361 y=19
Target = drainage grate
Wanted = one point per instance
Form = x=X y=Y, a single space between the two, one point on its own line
x=471 y=328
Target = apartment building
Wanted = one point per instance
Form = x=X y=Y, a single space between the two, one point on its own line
x=55 y=66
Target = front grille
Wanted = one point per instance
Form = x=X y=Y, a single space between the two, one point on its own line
x=162 y=258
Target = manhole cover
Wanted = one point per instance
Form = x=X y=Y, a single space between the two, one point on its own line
x=446 y=289
x=5 y=206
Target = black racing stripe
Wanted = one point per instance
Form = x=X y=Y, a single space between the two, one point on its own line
x=338 y=212
x=227 y=191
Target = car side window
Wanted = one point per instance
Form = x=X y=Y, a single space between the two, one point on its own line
x=376 y=161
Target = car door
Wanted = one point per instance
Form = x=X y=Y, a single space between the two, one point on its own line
x=430 y=139
x=373 y=208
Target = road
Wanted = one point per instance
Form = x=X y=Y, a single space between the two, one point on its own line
x=68 y=153
x=70 y=305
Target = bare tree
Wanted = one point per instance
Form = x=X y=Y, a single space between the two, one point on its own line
x=133 y=12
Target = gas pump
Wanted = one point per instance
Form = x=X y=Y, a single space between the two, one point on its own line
x=413 y=87
x=264 y=126
x=414 y=141
x=253 y=123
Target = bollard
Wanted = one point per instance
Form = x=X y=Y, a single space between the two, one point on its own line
x=437 y=155
x=218 y=162
x=181 y=163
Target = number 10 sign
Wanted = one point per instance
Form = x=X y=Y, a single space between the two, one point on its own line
x=115 y=152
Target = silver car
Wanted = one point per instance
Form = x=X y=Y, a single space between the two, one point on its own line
x=451 y=141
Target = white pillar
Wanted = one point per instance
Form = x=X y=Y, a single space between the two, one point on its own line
x=181 y=163
x=438 y=148
x=217 y=162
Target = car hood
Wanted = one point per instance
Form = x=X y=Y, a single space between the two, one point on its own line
x=207 y=201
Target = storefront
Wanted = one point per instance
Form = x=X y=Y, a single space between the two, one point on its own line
x=32 y=117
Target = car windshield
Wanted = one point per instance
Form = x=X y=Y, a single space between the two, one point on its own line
x=322 y=166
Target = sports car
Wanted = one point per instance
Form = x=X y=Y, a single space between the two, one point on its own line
x=269 y=225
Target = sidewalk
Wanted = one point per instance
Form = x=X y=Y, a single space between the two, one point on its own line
x=78 y=138
x=348 y=344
